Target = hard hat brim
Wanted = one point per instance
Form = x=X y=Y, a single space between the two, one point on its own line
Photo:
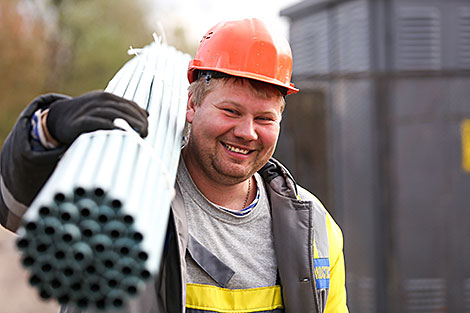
x=193 y=68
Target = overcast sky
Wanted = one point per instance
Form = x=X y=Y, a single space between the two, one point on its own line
x=200 y=15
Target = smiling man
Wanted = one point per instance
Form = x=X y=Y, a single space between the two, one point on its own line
x=243 y=236
x=241 y=135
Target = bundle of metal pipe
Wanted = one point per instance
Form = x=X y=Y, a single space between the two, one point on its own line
x=95 y=233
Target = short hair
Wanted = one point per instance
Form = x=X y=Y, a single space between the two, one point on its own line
x=202 y=86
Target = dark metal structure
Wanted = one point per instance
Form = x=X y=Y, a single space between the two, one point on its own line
x=380 y=132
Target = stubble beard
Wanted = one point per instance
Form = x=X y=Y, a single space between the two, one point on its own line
x=221 y=170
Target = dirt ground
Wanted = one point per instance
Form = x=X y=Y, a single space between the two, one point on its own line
x=16 y=296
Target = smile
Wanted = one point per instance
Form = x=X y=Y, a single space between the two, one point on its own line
x=235 y=149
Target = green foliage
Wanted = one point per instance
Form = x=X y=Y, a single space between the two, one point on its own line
x=98 y=35
x=22 y=62
x=83 y=46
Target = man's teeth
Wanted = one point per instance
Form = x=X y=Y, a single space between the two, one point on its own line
x=235 y=149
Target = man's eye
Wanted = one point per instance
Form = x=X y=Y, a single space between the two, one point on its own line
x=230 y=111
x=265 y=119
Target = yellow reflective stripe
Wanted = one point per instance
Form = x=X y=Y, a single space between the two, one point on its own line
x=212 y=298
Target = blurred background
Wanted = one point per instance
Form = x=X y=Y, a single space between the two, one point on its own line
x=380 y=131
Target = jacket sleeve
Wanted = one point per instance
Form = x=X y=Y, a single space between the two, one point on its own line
x=23 y=171
x=336 y=302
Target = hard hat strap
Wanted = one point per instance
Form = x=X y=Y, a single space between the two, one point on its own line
x=208 y=75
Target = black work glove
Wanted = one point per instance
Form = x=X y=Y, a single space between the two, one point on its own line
x=68 y=118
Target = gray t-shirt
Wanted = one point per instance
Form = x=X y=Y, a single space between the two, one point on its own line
x=244 y=243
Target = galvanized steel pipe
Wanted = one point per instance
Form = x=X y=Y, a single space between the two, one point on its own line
x=95 y=233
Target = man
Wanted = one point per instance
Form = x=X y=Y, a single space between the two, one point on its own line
x=243 y=237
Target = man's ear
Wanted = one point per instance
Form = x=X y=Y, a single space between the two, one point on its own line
x=190 y=109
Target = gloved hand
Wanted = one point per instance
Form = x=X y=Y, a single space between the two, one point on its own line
x=68 y=118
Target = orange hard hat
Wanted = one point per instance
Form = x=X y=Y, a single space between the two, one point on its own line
x=245 y=48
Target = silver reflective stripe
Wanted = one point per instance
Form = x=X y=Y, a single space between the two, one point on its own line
x=320 y=230
x=13 y=205
x=319 y=223
x=323 y=297
x=211 y=264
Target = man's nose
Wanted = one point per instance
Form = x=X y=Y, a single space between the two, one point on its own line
x=246 y=129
